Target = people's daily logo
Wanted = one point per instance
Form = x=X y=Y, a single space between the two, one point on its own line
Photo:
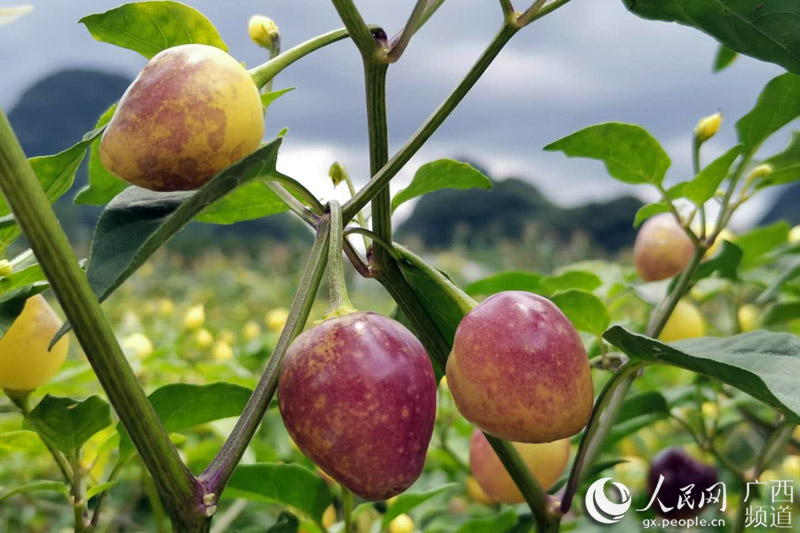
x=601 y=508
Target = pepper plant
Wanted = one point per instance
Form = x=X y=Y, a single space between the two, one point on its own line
x=227 y=179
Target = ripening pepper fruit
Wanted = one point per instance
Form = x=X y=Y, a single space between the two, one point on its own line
x=518 y=369
x=190 y=113
x=662 y=248
x=25 y=361
x=357 y=394
x=748 y=316
x=546 y=462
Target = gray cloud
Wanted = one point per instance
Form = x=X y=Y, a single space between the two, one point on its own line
x=589 y=62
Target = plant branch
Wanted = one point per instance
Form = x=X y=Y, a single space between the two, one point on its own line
x=381 y=178
x=464 y=302
x=294 y=205
x=181 y=492
x=218 y=473
x=530 y=13
x=536 y=498
x=664 y=309
x=509 y=13
x=347 y=510
x=605 y=412
x=266 y=71
x=546 y=10
x=340 y=301
x=399 y=45
x=300 y=190
x=358 y=29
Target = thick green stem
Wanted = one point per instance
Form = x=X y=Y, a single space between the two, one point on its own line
x=359 y=31
x=664 y=309
x=265 y=72
x=218 y=473
x=339 y=300
x=774 y=447
x=399 y=46
x=380 y=179
x=375 y=82
x=536 y=498
x=181 y=492
x=347 y=510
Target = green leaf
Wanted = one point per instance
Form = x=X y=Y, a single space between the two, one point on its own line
x=638 y=411
x=583 y=309
x=703 y=187
x=777 y=105
x=137 y=222
x=68 y=423
x=288 y=484
x=441 y=174
x=10 y=14
x=515 y=280
x=56 y=174
x=103 y=185
x=781 y=313
x=512 y=280
x=724 y=58
x=649 y=210
x=764 y=30
x=763 y=364
x=785 y=165
x=571 y=279
x=100 y=487
x=497 y=523
x=38 y=486
x=725 y=264
x=756 y=243
x=629 y=152
x=150 y=27
x=407 y=501
x=251 y=201
x=181 y=406
x=268 y=98
x=22 y=440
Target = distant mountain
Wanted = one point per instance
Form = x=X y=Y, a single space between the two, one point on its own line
x=477 y=217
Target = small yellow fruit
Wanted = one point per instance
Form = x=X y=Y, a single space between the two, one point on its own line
x=329 y=516
x=192 y=111
x=165 y=307
x=686 y=322
x=401 y=524
x=138 y=344
x=794 y=235
x=203 y=339
x=6 y=268
x=276 y=318
x=710 y=410
x=226 y=336
x=264 y=32
x=251 y=330
x=25 y=361
x=195 y=317
x=748 y=317
x=791 y=465
x=475 y=492
x=707 y=127
x=546 y=462
x=222 y=351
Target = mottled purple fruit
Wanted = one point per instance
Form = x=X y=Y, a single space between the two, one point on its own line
x=192 y=111
x=518 y=370
x=680 y=471
x=358 y=395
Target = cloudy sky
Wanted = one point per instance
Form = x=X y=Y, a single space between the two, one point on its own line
x=589 y=62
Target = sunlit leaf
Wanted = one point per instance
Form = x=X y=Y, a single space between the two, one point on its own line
x=441 y=174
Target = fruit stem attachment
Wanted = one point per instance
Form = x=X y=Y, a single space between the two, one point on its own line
x=340 y=303
x=347 y=510
x=535 y=496
x=23 y=401
x=219 y=471
x=399 y=45
x=266 y=71
x=33 y=212
x=383 y=243
x=381 y=178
